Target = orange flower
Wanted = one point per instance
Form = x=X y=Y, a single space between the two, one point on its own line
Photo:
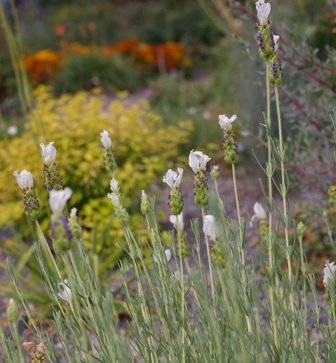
x=42 y=65
x=92 y=26
x=60 y=30
x=145 y=53
x=126 y=46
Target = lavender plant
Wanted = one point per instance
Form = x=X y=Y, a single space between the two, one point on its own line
x=220 y=309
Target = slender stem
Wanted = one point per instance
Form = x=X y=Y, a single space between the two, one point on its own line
x=182 y=286
x=75 y=308
x=270 y=201
x=209 y=260
x=45 y=247
x=241 y=245
x=284 y=189
x=303 y=269
x=238 y=213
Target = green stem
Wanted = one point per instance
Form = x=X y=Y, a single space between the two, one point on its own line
x=46 y=248
x=270 y=201
x=182 y=286
x=284 y=189
x=241 y=245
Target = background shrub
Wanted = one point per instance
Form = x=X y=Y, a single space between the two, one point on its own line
x=143 y=145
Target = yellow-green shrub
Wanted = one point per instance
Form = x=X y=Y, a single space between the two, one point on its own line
x=143 y=147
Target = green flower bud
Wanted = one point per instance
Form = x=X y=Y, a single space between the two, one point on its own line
x=214 y=172
x=12 y=311
x=184 y=246
x=144 y=203
x=275 y=70
x=229 y=147
x=217 y=254
x=61 y=235
x=300 y=229
x=263 y=227
x=175 y=201
x=110 y=161
x=200 y=189
x=332 y=194
x=75 y=228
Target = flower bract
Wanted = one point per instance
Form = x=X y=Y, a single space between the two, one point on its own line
x=173 y=178
x=48 y=153
x=58 y=199
x=106 y=140
x=198 y=161
x=225 y=122
x=24 y=179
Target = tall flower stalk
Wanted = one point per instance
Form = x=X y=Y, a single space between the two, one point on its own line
x=173 y=180
x=197 y=162
x=266 y=46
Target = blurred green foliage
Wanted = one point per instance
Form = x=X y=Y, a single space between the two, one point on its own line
x=84 y=71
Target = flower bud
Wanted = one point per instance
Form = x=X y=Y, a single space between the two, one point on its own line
x=144 y=203
x=300 y=229
x=332 y=194
x=12 y=311
x=214 y=172
x=75 y=228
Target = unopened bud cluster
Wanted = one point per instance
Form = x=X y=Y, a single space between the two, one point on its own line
x=275 y=70
x=75 y=228
x=332 y=194
x=144 y=206
x=300 y=229
x=12 y=311
x=217 y=253
x=214 y=172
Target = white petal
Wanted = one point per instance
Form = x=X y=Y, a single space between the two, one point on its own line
x=48 y=153
x=168 y=254
x=114 y=199
x=106 y=140
x=210 y=227
x=173 y=178
x=259 y=211
x=276 y=39
x=114 y=186
x=328 y=272
x=58 y=199
x=198 y=161
x=24 y=179
x=225 y=122
x=180 y=221
x=263 y=10
x=65 y=292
